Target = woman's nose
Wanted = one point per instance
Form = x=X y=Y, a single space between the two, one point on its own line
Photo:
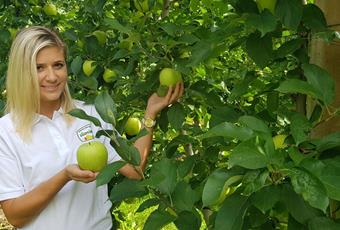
x=51 y=74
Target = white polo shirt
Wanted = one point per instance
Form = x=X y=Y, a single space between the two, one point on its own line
x=54 y=143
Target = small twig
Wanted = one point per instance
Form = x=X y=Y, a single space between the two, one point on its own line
x=166 y=7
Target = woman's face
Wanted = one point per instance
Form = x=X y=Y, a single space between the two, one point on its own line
x=52 y=75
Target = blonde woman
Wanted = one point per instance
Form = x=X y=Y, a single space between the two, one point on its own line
x=41 y=186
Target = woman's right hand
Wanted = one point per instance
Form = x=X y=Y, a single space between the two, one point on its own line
x=73 y=172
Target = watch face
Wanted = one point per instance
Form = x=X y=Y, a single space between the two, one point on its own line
x=149 y=122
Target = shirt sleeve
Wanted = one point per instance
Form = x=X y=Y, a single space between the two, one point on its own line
x=11 y=185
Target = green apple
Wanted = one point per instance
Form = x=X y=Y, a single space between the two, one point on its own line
x=279 y=141
x=169 y=77
x=132 y=126
x=126 y=44
x=266 y=4
x=184 y=54
x=50 y=9
x=88 y=67
x=101 y=36
x=142 y=5
x=92 y=156
x=109 y=75
x=162 y=90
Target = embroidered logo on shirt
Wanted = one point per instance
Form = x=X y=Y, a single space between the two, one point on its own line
x=85 y=133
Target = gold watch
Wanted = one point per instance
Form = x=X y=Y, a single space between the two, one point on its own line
x=148 y=122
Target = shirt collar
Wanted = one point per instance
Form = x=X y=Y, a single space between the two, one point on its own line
x=56 y=114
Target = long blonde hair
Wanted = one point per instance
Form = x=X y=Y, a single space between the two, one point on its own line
x=22 y=85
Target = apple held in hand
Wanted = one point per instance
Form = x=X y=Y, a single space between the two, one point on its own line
x=168 y=77
x=132 y=126
x=92 y=156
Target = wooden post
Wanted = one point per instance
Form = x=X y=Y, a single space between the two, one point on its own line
x=327 y=56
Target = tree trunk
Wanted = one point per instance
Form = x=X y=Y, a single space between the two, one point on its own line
x=327 y=56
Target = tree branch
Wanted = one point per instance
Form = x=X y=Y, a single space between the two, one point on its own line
x=166 y=7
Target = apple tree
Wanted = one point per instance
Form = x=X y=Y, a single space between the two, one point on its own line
x=237 y=151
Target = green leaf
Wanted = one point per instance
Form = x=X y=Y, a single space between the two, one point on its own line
x=166 y=170
x=314 y=18
x=330 y=177
x=265 y=198
x=296 y=155
x=264 y=22
x=184 y=197
x=298 y=86
x=222 y=114
x=76 y=65
x=321 y=80
x=300 y=127
x=272 y=101
x=231 y=214
x=260 y=49
x=174 y=143
x=227 y=129
x=82 y=115
x=108 y=172
x=127 y=189
x=248 y=155
x=296 y=206
x=158 y=219
x=325 y=222
x=313 y=166
x=188 y=220
x=255 y=124
x=290 y=12
x=147 y=204
x=115 y=24
x=127 y=151
x=327 y=142
x=289 y=47
x=243 y=86
x=311 y=189
x=88 y=82
x=294 y=225
x=106 y=107
x=186 y=166
x=5 y=35
x=254 y=181
x=176 y=116
x=170 y=28
x=216 y=185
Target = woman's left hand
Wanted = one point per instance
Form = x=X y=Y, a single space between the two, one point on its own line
x=157 y=103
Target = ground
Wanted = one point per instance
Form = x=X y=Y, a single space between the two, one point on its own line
x=4 y=225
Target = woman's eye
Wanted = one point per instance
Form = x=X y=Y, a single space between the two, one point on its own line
x=59 y=65
x=39 y=68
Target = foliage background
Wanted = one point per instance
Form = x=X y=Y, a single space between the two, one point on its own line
x=247 y=75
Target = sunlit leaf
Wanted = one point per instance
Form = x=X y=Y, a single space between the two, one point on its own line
x=82 y=115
